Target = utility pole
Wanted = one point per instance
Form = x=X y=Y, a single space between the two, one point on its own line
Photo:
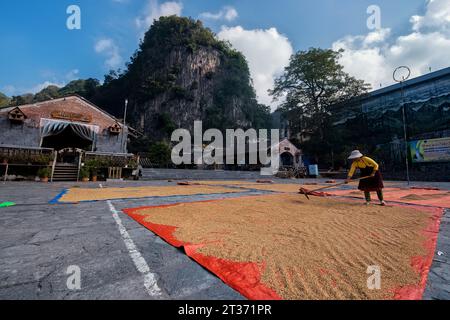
x=401 y=80
x=124 y=125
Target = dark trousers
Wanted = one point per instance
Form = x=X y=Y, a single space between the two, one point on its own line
x=379 y=194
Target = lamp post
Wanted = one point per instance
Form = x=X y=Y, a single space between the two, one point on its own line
x=401 y=80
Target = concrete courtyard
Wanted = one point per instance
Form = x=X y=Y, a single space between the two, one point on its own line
x=118 y=258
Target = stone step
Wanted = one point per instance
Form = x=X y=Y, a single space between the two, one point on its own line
x=65 y=172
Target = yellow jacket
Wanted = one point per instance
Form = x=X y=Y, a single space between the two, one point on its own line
x=362 y=163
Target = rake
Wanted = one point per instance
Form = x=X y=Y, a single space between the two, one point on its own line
x=307 y=192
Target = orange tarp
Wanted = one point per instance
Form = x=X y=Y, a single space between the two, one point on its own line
x=286 y=247
x=437 y=198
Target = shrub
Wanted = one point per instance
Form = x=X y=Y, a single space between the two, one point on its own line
x=160 y=154
x=84 y=173
x=25 y=158
x=132 y=163
x=44 y=173
x=93 y=165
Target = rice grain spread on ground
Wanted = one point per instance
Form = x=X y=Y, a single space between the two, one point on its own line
x=99 y=194
x=318 y=249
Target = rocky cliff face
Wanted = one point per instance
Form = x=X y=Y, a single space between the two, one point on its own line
x=191 y=91
x=181 y=74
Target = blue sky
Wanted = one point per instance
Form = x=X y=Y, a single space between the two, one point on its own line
x=37 y=48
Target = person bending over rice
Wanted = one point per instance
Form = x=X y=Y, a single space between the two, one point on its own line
x=369 y=168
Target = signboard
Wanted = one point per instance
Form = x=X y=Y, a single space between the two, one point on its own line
x=65 y=115
x=433 y=150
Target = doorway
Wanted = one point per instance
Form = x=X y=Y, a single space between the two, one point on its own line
x=287 y=159
x=67 y=138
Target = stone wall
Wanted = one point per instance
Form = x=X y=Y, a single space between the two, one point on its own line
x=18 y=134
x=165 y=174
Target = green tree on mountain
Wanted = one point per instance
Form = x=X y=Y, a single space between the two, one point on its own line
x=86 y=88
x=51 y=92
x=4 y=100
x=22 y=99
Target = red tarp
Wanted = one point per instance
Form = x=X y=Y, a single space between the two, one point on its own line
x=246 y=277
x=441 y=197
x=243 y=277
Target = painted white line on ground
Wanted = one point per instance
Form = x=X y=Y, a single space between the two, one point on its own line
x=150 y=281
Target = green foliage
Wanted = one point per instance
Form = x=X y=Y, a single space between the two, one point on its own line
x=140 y=144
x=85 y=88
x=26 y=158
x=4 y=100
x=84 y=173
x=51 y=92
x=180 y=93
x=313 y=83
x=165 y=124
x=233 y=84
x=160 y=154
x=172 y=31
x=260 y=116
x=21 y=100
x=44 y=173
x=111 y=96
x=93 y=165
x=132 y=163
x=147 y=75
x=110 y=77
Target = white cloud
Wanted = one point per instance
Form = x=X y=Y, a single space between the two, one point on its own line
x=154 y=11
x=437 y=16
x=43 y=85
x=9 y=90
x=363 y=57
x=227 y=13
x=374 y=56
x=108 y=48
x=267 y=52
x=72 y=75
x=52 y=80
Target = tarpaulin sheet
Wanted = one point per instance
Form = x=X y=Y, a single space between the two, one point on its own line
x=422 y=264
x=246 y=277
x=421 y=197
x=243 y=277
x=75 y=195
